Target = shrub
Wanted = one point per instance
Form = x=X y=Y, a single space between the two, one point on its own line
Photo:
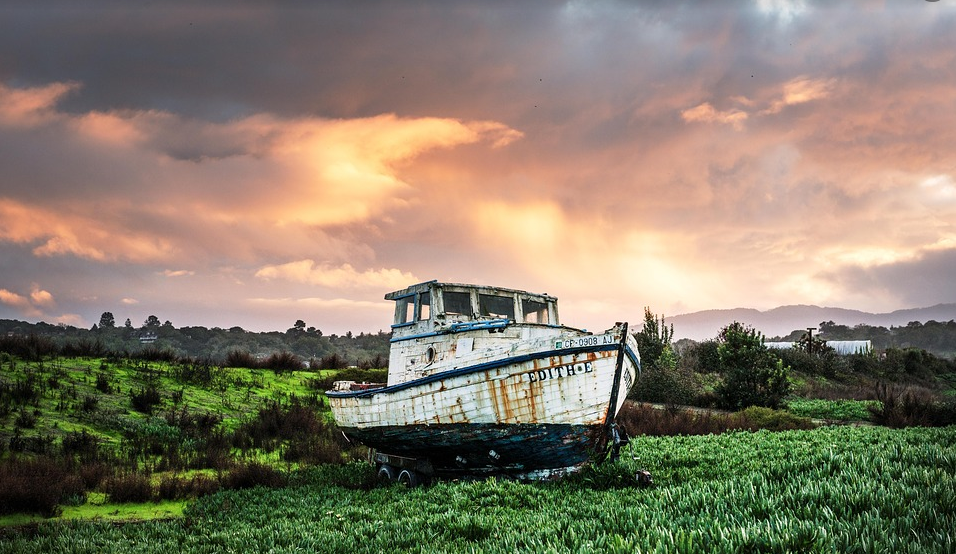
x=376 y=362
x=94 y=473
x=198 y=372
x=155 y=354
x=173 y=487
x=145 y=399
x=83 y=348
x=641 y=419
x=663 y=384
x=37 y=444
x=758 y=417
x=36 y=486
x=301 y=433
x=128 y=487
x=26 y=419
x=103 y=383
x=241 y=358
x=251 y=475
x=90 y=403
x=22 y=391
x=753 y=375
x=32 y=347
x=282 y=361
x=911 y=407
x=332 y=361
x=82 y=444
x=825 y=362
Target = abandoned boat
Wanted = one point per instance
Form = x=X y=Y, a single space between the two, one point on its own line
x=484 y=380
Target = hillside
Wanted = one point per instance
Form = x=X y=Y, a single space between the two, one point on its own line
x=783 y=320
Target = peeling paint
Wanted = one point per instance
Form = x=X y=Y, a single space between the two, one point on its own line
x=537 y=393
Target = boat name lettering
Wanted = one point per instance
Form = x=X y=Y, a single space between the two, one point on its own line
x=560 y=371
x=579 y=342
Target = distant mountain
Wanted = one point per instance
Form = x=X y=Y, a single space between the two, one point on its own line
x=781 y=321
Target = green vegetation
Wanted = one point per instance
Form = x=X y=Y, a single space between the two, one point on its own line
x=753 y=376
x=661 y=380
x=132 y=430
x=836 y=489
x=646 y=420
x=240 y=451
x=834 y=410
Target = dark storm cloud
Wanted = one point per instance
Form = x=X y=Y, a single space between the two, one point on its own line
x=925 y=281
x=333 y=59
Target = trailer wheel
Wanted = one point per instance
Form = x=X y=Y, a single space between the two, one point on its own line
x=409 y=478
x=386 y=474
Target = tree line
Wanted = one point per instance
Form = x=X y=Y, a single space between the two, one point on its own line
x=935 y=337
x=162 y=340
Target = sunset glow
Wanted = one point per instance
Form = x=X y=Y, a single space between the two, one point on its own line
x=255 y=166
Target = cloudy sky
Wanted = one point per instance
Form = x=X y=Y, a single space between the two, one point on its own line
x=246 y=165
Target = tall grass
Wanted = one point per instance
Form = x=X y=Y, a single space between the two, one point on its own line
x=834 y=489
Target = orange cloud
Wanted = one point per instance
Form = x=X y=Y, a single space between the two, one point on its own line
x=41 y=297
x=239 y=187
x=31 y=106
x=344 y=171
x=344 y=276
x=800 y=90
x=707 y=114
x=85 y=236
x=177 y=272
x=29 y=306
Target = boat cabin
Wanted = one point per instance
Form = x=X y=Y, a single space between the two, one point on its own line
x=436 y=307
x=432 y=317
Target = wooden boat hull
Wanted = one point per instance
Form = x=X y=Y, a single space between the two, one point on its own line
x=547 y=404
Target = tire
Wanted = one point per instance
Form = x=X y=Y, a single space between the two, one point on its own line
x=387 y=474
x=409 y=478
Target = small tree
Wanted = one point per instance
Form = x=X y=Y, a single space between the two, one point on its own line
x=653 y=339
x=753 y=375
x=107 y=321
x=660 y=379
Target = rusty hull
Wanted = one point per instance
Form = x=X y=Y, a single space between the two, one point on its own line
x=546 y=408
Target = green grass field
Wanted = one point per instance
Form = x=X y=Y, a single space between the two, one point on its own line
x=833 y=410
x=833 y=489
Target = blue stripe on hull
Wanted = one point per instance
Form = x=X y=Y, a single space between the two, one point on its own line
x=477 y=368
x=517 y=446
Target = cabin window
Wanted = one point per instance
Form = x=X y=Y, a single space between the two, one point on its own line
x=424 y=306
x=502 y=307
x=457 y=303
x=534 y=311
x=405 y=310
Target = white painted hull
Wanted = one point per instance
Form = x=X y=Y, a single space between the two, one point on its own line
x=561 y=391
